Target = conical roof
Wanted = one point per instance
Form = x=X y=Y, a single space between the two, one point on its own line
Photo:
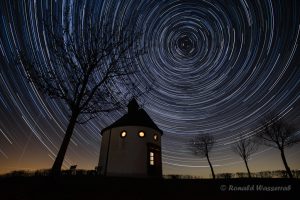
x=134 y=117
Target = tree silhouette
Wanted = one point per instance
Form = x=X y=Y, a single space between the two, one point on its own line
x=202 y=145
x=244 y=147
x=278 y=133
x=88 y=68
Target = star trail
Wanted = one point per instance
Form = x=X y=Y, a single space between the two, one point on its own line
x=216 y=67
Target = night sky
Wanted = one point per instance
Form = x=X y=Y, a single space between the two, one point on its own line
x=218 y=67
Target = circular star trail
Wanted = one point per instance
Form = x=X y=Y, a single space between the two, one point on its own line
x=216 y=67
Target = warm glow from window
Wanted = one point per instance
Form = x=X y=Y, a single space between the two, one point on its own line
x=123 y=134
x=141 y=134
x=151 y=158
x=155 y=137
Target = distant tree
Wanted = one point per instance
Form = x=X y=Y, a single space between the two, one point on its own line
x=296 y=173
x=265 y=174
x=225 y=175
x=244 y=147
x=278 y=133
x=202 y=145
x=86 y=67
x=241 y=175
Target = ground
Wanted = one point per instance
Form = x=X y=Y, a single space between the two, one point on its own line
x=93 y=187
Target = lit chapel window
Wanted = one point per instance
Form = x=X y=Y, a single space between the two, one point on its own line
x=141 y=134
x=151 y=158
x=123 y=134
x=155 y=137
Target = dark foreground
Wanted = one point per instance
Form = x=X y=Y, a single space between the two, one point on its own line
x=87 y=187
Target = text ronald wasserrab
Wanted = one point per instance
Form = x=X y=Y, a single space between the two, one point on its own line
x=259 y=188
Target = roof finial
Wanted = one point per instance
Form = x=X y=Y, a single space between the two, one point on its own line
x=133 y=106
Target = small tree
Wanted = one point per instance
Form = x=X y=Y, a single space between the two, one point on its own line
x=278 y=133
x=202 y=145
x=244 y=147
x=86 y=66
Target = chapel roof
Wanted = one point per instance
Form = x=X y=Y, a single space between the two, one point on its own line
x=135 y=116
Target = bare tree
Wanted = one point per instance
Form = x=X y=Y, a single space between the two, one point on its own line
x=278 y=133
x=202 y=145
x=245 y=147
x=86 y=67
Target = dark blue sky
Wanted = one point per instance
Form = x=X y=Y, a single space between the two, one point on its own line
x=218 y=67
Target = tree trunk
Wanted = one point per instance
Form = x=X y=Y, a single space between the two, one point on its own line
x=56 y=168
x=285 y=164
x=211 y=167
x=246 y=163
